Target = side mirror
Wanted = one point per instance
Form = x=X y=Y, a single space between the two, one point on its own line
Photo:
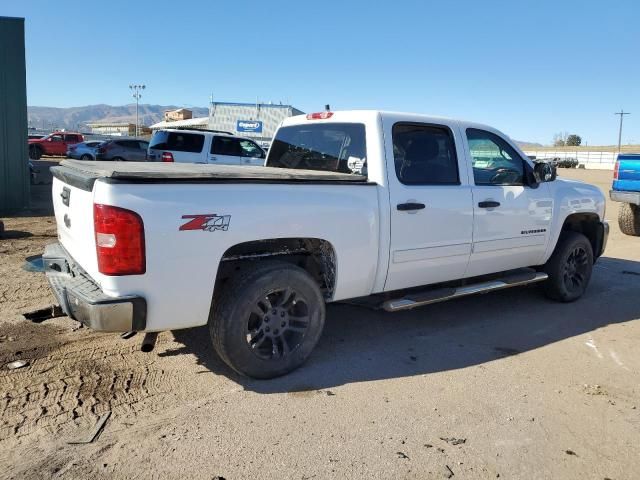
x=545 y=172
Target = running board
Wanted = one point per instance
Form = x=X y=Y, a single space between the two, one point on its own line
x=443 y=294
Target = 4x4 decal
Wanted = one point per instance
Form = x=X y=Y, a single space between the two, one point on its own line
x=207 y=222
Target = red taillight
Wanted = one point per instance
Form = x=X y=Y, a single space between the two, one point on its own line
x=616 y=170
x=167 y=157
x=319 y=115
x=119 y=240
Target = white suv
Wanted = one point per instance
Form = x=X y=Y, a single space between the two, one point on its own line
x=204 y=146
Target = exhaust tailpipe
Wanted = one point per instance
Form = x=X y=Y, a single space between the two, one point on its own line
x=149 y=341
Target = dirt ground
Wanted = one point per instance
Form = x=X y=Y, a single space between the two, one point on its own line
x=504 y=385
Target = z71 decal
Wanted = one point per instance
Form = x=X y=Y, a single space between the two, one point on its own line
x=208 y=223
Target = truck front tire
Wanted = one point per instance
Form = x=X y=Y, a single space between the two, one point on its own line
x=629 y=219
x=266 y=320
x=569 y=267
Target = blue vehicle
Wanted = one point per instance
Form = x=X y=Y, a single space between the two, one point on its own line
x=626 y=189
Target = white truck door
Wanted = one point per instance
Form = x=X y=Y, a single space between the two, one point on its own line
x=511 y=219
x=224 y=151
x=431 y=204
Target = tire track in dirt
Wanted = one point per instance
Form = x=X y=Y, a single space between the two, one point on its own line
x=71 y=383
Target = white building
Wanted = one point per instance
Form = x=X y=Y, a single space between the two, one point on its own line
x=257 y=121
x=198 y=123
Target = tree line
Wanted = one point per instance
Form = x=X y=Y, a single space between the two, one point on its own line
x=564 y=139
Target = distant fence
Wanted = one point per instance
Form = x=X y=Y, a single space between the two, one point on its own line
x=588 y=159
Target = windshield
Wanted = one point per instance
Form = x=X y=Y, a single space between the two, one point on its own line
x=334 y=147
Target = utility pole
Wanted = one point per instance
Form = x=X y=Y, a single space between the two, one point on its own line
x=622 y=113
x=137 y=95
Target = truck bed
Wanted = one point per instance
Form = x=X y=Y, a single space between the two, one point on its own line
x=83 y=174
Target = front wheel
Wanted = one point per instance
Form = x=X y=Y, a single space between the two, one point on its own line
x=569 y=268
x=629 y=219
x=266 y=320
x=86 y=157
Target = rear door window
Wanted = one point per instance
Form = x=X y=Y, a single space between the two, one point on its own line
x=424 y=154
x=177 y=141
x=226 y=146
x=334 y=147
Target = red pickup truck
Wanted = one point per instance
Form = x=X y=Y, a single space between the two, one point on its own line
x=55 y=143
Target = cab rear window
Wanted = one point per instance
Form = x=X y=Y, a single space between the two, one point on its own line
x=334 y=147
x=177 y=141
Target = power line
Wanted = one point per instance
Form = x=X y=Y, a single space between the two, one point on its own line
x=622 y=113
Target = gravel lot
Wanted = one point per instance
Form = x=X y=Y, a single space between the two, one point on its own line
x=507 y=385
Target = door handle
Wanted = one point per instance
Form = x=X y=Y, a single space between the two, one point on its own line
x=405 y=207
x=489 y=204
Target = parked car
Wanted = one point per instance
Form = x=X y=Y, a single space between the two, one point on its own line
x=84 y=150
x=565 y=162
x=355 y=204
x=56 y=143
x=626 y=189
x=123 y=149
x=204 y=146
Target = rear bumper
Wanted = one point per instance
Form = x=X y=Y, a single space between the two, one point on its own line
x=83 y=300
x=625 y=197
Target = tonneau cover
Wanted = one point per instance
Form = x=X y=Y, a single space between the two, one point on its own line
x=159 y=171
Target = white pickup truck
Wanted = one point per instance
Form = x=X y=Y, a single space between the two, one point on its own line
x=402 y=209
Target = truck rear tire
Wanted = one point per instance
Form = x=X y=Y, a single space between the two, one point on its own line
x=629 y=219
x=266 y=320
x=569 y=267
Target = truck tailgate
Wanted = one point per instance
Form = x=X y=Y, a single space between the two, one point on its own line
x=628 y=170
x=73 y=208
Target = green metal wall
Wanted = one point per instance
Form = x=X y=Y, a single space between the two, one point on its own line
x=14 y=167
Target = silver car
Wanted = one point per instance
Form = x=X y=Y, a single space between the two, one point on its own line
x=123 y=149
x=84 y=150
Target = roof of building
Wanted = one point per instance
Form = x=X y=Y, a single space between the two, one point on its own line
x=260 y=105
x=111 y=124
x=191 y=122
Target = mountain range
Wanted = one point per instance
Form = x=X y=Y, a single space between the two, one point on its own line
x=77 y=117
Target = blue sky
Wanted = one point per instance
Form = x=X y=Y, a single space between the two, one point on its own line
x=529 y=68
